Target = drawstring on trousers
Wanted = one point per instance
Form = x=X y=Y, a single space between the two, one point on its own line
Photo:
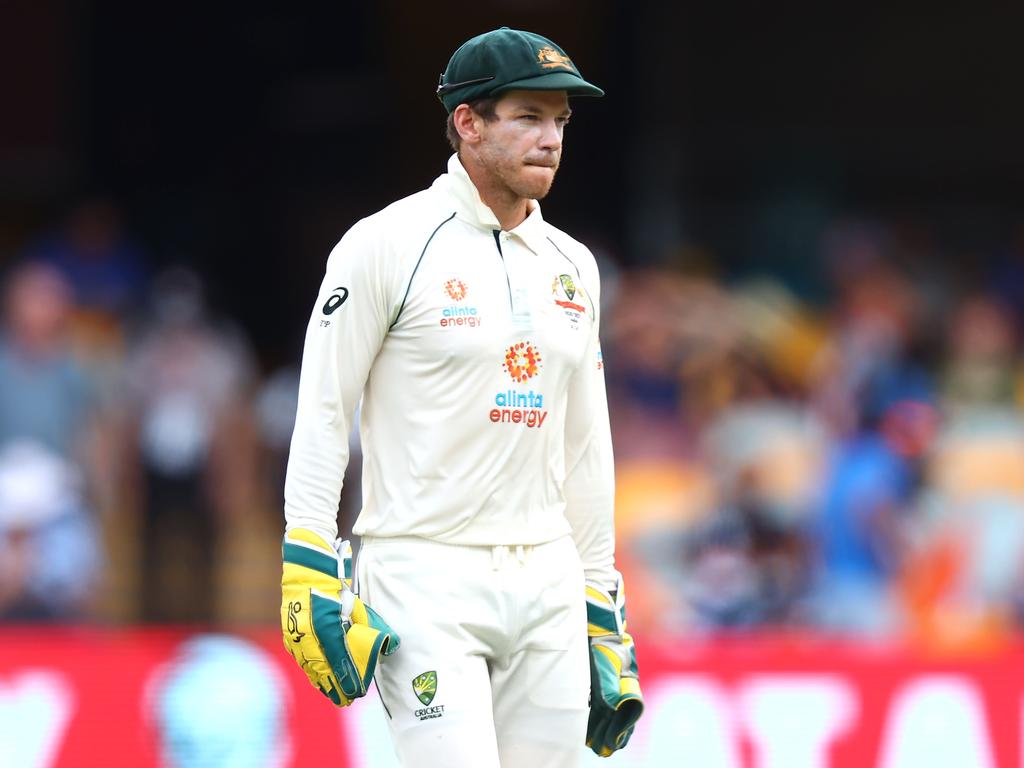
x=501 y=553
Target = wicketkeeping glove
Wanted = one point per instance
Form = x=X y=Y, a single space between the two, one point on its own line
x=615 y=699
x=334 y=636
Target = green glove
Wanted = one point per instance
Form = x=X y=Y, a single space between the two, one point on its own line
x=335 y=637
x=615 y=699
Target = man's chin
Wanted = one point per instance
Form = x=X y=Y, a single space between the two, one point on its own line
x=537 y=180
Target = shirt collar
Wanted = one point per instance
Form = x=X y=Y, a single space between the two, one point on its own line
x=530 y=231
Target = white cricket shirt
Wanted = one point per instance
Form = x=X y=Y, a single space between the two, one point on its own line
x=484 y=419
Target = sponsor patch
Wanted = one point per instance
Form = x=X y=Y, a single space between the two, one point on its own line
x=458 y=314
x=456 y=289
x=522 y=363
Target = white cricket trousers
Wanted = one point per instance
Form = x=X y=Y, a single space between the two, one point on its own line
x=495 y=639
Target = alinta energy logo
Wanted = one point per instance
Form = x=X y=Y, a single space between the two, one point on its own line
x=458 y=314
x=456 y=289
x=522 y=363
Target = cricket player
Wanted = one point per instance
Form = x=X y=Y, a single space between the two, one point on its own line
x=467 y=327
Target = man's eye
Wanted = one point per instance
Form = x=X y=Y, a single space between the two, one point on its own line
x=529 y=117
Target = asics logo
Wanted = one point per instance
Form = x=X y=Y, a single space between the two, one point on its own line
x=336 y=300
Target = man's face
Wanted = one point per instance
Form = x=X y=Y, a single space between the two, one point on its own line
x=522 y=148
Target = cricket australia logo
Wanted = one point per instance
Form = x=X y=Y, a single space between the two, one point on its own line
x=569 y=297
x=425 y=686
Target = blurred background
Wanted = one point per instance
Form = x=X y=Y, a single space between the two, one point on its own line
x=810 y=225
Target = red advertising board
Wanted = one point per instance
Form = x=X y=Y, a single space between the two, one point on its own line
x=810 y=701
x=87 y=697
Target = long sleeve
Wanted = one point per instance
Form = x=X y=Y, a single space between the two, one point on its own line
x=590 y=474
x=346 y=329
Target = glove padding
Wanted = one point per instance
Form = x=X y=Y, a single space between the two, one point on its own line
x=334 y=636
x=615 y=699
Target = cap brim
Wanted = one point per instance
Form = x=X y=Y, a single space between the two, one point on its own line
x=573 y=85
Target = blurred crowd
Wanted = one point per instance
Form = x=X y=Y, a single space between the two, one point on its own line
x=135 y=484
x=851 y=462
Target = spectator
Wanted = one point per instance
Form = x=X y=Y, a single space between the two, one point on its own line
x=869 y=499
x=981 y=369
x=49 y=547
x=106 y=269
x=766 y=455
x=45 y=395
x=189 y=384
x=964 y=580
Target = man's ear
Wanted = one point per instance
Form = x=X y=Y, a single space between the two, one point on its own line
x=467 y=123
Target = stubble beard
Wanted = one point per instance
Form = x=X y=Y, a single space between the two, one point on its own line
x=514 y=179
x=530 y=188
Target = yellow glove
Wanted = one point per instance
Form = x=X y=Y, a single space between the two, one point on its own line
x=334 y=636
x=615 y=699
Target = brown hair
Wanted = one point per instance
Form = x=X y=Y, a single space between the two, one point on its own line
x=484 y=107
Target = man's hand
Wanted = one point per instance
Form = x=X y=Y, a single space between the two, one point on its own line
x=615 y=699
x=333 y=635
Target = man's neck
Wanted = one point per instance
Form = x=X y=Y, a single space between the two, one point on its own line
x=510 y=209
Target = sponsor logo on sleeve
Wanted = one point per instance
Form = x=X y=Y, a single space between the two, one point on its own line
x=518 y=405
x=338 y=297
x=458 y=314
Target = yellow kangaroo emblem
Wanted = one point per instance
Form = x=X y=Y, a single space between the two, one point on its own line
x=549 y=58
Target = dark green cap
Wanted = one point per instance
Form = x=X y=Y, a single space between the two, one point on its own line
x=506 y=60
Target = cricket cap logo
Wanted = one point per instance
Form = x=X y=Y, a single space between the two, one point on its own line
x=425 y=686
x=522 y=361
x=549 y=58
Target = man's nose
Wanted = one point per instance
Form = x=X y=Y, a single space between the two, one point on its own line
x=551 y=137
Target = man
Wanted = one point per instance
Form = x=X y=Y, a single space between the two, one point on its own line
x=469 y=327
